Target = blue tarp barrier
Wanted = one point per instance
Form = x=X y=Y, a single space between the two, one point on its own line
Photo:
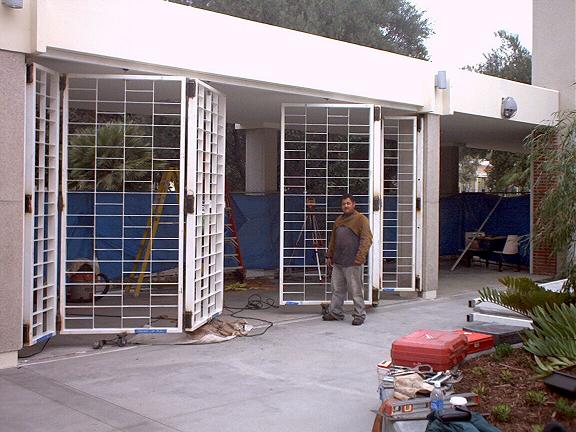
x=258 y=222
x=390 y=221
x=257 y=218
x=466 y=212
x=105 y=222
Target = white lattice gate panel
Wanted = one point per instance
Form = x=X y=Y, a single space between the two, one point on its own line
x=325 y=153
x=41 y=219
x=399 y=203
x=206 y=205
x=123 y=228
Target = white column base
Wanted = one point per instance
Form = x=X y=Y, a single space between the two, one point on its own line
x=429 y=295
x=8 y=359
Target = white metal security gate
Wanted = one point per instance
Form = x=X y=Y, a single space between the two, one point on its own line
x=41 y=217
x=205 y=204
x=122 y=183
x=326 y=152
x=398 y=211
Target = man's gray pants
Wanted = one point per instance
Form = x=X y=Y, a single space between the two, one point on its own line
x=347 y=280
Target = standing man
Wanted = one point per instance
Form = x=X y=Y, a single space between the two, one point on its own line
x=350 y=242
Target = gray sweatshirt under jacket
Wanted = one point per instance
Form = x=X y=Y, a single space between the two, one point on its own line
x=346 y=249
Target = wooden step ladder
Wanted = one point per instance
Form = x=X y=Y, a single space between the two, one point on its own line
x=233 y=262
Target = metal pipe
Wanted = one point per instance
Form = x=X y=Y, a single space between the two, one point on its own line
x=476 y=234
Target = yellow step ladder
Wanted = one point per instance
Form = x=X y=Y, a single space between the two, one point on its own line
x=168 y=183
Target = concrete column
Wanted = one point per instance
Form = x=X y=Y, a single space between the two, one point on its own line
x=261 y=160
x=430 y=205
x=449 y=170
x=12 y=131
x=554 y=48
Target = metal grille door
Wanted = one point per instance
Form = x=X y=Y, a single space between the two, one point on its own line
x=123 y=228
x=325 y=153
x=399 y=203
x=41 y=219
x=205 y=205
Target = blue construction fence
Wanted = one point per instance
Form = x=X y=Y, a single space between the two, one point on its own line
x=95 y=222
x=465 y=212
x=258 y=222
x=258 y=219
x=111 y=225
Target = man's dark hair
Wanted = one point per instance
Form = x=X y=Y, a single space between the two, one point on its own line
x=347 y=196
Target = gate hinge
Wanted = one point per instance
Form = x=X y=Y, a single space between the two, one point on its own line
x=376 y=203
x=187 y=319
x=60 y=202
x=29 y=73
x=418 y=204
x=377 y=113
x=63 y=81
x=191 y=88
x=189 y=204
x=417 y=284
x=26 y=334
x=419 y=121
x=28 y=204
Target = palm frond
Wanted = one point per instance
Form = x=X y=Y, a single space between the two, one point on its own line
x=105 y=158
x=553 y=338
x=522 y=295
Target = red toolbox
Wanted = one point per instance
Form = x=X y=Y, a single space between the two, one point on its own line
x=440 y=349
x=477 y=342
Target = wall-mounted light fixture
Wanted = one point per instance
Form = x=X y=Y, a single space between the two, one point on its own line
x=14 y=4
x=509 y=107
x=441 y=82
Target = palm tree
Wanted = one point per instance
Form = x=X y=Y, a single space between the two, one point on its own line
x=113 y=158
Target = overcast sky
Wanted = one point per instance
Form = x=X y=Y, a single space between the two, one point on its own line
x=464 y=29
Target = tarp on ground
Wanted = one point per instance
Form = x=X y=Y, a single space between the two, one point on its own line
x=465 y=212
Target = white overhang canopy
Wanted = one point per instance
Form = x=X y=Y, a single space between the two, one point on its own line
x=262 y=66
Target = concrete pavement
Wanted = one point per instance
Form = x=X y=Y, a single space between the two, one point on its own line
x=302 y=375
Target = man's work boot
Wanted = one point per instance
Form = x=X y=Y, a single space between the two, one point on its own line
x=357 y=321
x=330 y=317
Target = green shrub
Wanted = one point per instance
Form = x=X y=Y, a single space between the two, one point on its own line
x=479 y=371
x=522 y=295
x=535 y=398
x=506 y=375
x=502 y=351
x=537 y=428
x=480 y=390
x=565 y=408
x=501 y=412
